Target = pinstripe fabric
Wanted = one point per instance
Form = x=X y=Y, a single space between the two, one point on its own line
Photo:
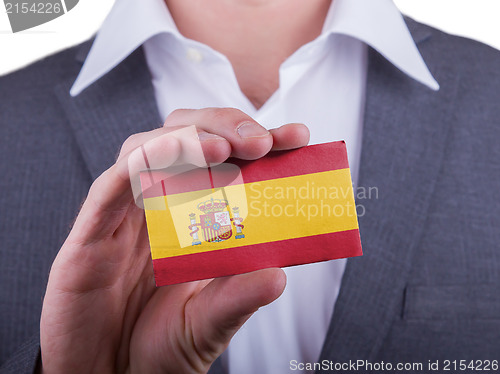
x=52 y=148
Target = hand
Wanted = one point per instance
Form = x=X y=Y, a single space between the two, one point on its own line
x=102 y=312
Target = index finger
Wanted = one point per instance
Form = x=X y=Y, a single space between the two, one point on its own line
x=110 y=195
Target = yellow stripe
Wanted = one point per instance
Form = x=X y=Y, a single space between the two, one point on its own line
x=273 y=210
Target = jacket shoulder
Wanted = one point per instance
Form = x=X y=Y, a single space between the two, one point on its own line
x=35 y=83
x=455 y=54
x=468 y=71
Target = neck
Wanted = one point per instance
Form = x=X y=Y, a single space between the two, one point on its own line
x=255 y=35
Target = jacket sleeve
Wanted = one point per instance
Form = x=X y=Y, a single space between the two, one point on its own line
x=25 y=360
x=216 y=367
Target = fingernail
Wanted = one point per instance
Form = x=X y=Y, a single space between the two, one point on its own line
x=251 y=129
x=208 y=136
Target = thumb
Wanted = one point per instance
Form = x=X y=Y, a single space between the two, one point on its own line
x=225 y=304
x=187 y=326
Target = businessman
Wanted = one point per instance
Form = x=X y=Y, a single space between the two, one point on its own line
x=417 y=109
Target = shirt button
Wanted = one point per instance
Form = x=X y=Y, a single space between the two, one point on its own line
x=194 y=55
x=312 y=50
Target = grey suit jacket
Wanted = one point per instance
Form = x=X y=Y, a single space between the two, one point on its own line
x=428 y=285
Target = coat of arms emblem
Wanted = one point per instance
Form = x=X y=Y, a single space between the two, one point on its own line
x=216 y=223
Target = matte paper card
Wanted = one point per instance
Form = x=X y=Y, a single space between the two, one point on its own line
x=287 y=208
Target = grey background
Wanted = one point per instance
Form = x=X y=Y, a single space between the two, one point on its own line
x=20 y=21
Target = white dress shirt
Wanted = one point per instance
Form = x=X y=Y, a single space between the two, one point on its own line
x=322 y=85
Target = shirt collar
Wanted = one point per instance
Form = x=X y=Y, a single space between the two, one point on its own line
x=134 y=21
x=378 y=23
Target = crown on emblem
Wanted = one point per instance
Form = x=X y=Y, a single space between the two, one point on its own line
x=212 y=205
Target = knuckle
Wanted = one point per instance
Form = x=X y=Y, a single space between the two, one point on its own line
x=227 y=116
x=216 y=113
x=129 y=144
x=97 y=183
x=175 y=115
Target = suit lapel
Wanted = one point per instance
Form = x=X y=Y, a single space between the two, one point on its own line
x=119 y=104
x=404 y=137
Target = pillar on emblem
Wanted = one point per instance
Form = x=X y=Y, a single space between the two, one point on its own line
x=237 y=223
x=194 y=229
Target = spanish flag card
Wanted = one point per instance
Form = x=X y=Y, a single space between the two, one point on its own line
x=287 y=208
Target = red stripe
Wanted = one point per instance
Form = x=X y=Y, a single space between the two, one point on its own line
x=150 y=182
x=307 y=160
x=211 y=177
x=163 y=188
x=282 y=164
x=145 y=157
x=245 y=259
x=174 y=180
